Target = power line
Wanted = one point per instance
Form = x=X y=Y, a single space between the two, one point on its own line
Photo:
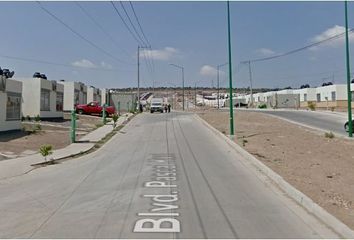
x=101 y=28
x=146 y=42
x=137 y=20
x=125 y=24
x=299 y=49
x=78 y=34
x=131 y=23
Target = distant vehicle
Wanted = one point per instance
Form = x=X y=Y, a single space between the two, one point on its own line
x=94 y=108
x=156 y=105
x=346 y=126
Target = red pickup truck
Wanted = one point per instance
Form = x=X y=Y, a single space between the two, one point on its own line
x=94 y=108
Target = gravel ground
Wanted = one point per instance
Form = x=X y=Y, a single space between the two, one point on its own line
x=320 y=167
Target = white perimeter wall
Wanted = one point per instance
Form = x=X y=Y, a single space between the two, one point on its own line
x=11 y=86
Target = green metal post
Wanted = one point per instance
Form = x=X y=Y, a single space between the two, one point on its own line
x=128 y=109
x=104 y=120
x=348 y=72
x=119 y=108
x=230 y=72
x=73 y=126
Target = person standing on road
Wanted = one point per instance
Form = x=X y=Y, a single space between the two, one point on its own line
x=141 y=107
x=165 y=108
x=169 y=107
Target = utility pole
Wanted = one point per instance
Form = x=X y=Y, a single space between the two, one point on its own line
x=195 y=95
x=232 y=133
x=182 y=68
x=250 y=74
x=218 y=81
x=138 y=59
x=348 y=72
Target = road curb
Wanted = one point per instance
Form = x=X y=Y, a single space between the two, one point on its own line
x=306 y=202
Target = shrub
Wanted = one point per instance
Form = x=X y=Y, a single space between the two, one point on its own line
x=244 y=141
x=312 y=106
x=115 y=119
x=37 y=118
x=332 y=109
x=329 y=135
x=28 y=118
x=46 y=150
x=23 y=118
x=263 y=105
x=98 y=125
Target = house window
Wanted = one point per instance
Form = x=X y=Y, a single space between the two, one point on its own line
x=45 y=100
x=13 y=106
x=59 y=102
x=333 y=96
x=305 y=97
x=318 y=97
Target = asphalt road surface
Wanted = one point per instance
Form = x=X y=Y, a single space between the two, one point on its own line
x=325 y=121
x=162 y=176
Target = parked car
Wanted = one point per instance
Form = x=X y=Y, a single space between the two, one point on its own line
x=94 y=108
x=346 y=126
x=156 y=105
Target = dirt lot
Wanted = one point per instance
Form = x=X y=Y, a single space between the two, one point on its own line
x=57 y=134
x=320 y=167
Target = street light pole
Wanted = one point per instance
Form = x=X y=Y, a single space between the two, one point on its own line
x=218 y=81
x=232 y=133
x=195 y=95
x=182 y=68
x=138 y=76
x=250 y=74
x=348 y=72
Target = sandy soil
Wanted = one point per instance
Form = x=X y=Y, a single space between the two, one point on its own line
x=320 y=167
x=25 y=141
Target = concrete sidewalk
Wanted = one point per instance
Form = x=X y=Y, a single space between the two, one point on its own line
x=19 y=166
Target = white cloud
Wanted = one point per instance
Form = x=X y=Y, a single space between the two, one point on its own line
x=265 y=51
x=162 y=54
x=106 y=65
x=208 y=70
x=330 y=32
x=85 y=63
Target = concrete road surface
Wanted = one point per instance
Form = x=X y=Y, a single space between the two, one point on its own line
x=326 y=121
x=162 y=176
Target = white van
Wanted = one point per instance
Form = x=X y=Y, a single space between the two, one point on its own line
x=156 y=105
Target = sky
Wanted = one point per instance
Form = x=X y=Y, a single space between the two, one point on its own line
x=189 y=34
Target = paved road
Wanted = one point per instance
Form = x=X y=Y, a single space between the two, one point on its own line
x=162 y=176
x=325 y=121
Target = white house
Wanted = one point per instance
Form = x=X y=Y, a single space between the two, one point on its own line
x=42 y=97
x=258 y=98
x=93 y=94
x=268 y=95
x=285 y=91
x=307 y=95
x=332 y=96
x=104 y=94
x=10 y=104
x=74 y=93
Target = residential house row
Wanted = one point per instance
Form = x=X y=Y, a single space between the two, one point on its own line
x=331 y=97
x=43 y=98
